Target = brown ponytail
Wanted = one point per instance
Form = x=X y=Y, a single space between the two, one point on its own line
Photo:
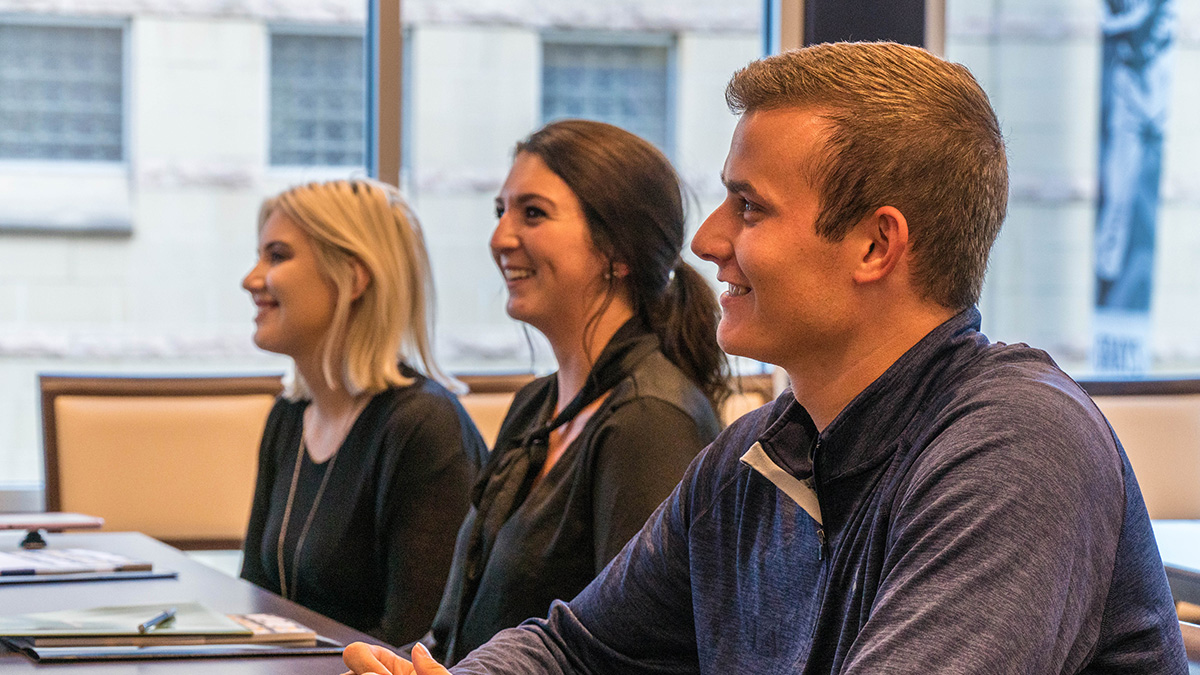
x=687 y=329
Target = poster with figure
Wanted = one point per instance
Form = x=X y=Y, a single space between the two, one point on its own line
x=1134 y=96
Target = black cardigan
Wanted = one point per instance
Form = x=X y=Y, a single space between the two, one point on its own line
x=380 y=544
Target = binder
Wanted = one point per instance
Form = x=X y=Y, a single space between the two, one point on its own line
x=194 y=631
x=323 y=647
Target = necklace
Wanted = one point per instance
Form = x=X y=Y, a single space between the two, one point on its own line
x=312 y=511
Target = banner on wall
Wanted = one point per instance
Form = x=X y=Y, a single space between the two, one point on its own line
x=1134 y=95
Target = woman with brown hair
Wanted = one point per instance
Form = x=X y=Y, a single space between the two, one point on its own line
x=590 y=228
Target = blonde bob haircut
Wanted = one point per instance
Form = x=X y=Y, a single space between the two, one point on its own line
x=367 y=222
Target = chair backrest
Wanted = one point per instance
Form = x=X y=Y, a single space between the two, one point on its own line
x=749 y=392
x=174 y=458
x=489 y=398
x=1158 y=424
x=1191 y=641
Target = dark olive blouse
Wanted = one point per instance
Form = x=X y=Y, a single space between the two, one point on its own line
x=625 y=461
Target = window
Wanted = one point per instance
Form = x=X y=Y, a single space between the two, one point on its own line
x=625 y=83
x=1096 y=103
x=61 y=92
x=317 y=100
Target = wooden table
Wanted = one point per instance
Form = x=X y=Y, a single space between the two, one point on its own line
x=196 y=582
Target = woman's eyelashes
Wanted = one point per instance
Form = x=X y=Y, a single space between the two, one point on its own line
x=530 y=214
x=534 y=213
x=276 y=253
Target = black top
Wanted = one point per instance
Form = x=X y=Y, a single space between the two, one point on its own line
x=377 y=553
x=625 y=461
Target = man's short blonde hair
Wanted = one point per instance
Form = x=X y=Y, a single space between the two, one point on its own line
x=366 y=221
x=906 y=129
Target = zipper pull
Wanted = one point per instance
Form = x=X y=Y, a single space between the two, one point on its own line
x=821 y=543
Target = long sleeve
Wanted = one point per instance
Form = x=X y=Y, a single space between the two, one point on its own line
x=640 y=453
x=635 y=618
x=379 y=536
x=252 y=567
x=598 y=495
x=420 y=509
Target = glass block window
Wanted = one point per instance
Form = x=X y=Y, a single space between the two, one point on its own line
x=625 y=85
x=318 y=114
x=61 y=92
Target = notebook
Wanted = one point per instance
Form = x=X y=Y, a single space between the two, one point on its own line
x=193 y=624
x=104 y=634
x=322 y=647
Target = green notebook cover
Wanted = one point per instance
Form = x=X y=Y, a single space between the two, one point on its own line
x=191 y=618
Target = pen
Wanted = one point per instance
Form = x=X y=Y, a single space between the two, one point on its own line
x=156 y=620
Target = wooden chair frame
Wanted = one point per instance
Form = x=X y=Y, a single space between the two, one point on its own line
x=54 y=385
x=500 y=383
x=1155 y=447
x=1140 y=387
x=762 y=384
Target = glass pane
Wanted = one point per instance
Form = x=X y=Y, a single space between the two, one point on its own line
x=150 y=140
x=477 y=87
x=624 y=85
x=60 y=92
x=317 y=99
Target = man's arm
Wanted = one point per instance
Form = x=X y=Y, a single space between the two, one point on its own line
x=252 y=567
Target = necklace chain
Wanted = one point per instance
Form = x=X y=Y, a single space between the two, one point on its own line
x=312 y=511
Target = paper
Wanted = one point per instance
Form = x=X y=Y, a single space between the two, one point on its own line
x=66 y=561
x=191 y=620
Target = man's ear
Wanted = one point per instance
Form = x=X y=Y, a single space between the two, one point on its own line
x=362 y=278
x=885 y=242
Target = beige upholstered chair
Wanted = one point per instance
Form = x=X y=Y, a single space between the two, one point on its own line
x=1191 y=641
x=491 y=395
x=175 y=458
x=749 y=392
x=488 y=400
x=1158 y=423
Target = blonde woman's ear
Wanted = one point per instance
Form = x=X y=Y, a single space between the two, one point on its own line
x=362 y=278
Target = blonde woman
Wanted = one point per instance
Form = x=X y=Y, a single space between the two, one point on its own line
x=367 y=458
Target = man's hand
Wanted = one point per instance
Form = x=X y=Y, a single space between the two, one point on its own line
x=364 y=659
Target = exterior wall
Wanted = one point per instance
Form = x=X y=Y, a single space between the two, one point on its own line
x=159 y=291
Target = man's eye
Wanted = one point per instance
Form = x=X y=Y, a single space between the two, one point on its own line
x=499 y=211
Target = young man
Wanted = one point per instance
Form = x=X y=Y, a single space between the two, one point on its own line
x=922 y=500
